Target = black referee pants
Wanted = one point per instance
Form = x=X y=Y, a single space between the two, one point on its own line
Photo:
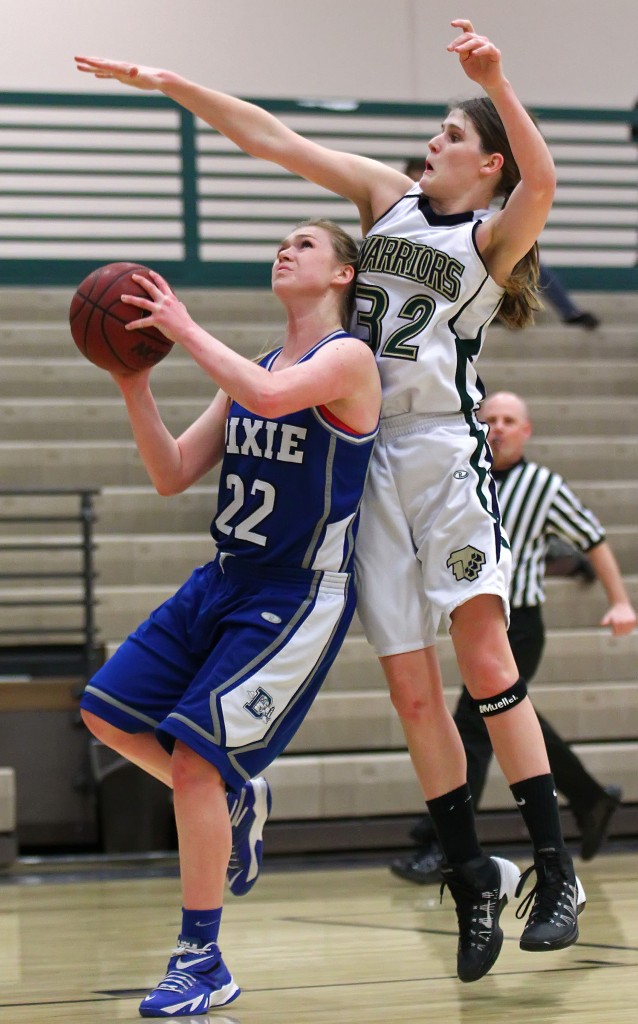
x=527 y=639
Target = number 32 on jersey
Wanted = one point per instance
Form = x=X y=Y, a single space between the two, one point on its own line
x=417 y=311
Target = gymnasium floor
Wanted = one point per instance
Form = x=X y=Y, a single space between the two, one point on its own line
x=81 y=941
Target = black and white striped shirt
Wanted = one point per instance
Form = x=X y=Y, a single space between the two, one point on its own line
x=535 y=504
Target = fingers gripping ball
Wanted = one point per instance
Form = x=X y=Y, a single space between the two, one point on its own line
x=98 y=319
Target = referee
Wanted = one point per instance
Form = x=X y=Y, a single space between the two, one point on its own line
x=536 y=504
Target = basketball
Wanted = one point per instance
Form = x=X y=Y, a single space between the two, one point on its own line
x=98 y=321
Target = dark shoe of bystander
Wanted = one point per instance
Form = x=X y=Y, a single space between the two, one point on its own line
x=594 y=822
x=422 y=866
x=587 y=320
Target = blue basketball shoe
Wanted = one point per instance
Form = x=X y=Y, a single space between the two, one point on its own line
x=197 y=980
x=249 y=812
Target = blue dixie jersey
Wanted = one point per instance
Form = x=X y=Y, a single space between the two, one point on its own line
x=290 y=487
x=424 y=299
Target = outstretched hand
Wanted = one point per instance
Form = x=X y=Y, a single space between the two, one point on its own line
x=165 y=311
x=129 y=74
x=479 y=58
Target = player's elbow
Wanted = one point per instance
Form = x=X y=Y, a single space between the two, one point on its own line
x=278 y=144
x=268 y=401
x=166 y=487
x=547 y=188
x=166 y=490
x=543 y=184
x=265 y=147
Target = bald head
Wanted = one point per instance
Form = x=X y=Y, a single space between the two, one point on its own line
x=510 y=427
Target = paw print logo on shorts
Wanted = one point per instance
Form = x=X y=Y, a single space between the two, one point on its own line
x=466 y=563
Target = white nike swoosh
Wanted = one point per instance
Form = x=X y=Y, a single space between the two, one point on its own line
x=192 y=1004
x=521 y=803
x=183 y=965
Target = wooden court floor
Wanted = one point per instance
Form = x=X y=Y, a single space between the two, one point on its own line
x=350 y=944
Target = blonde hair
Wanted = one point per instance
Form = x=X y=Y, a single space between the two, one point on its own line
x=346 y=253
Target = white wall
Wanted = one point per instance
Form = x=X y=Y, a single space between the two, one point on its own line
x=570 y=52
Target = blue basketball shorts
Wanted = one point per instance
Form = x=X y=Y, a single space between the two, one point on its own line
x=230 y=664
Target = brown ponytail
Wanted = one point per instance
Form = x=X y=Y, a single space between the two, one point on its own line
x=521 y=288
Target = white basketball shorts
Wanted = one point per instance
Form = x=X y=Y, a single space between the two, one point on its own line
x=430 y=536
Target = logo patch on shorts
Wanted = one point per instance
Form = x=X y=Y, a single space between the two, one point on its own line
x=466 y=563
x=270 y=617
x=261 y=704
x=460 y=474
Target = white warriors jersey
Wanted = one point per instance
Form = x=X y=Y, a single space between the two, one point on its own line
x=423 y=302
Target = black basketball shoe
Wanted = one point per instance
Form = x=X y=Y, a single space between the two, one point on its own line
x=558 y=898
x=480 y=890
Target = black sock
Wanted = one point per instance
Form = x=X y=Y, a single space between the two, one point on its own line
x=453 y=817
x=536 y=799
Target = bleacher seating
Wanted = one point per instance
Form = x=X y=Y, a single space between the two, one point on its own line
x=8 y=836
x=63 y=424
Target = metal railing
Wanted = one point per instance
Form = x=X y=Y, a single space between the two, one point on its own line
x=27 y=615
x=86 y=179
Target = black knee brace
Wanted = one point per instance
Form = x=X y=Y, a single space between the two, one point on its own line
x=501 y=702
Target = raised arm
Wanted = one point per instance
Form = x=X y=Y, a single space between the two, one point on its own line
x=370 y=184
x=173 y=464
x=505 y=238
x=342 y=375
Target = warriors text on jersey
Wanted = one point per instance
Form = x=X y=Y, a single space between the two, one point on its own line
x=424 y=301
x=290 y=487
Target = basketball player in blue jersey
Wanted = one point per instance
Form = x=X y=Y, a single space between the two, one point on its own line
x=210 y=689
x=439 y=260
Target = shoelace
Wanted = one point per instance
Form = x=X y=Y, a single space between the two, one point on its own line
x=234 y=862
x=188 y=947
x=479 y=912
x=547 y=892
x=177 y=981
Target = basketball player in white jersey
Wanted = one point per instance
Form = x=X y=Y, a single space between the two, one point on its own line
x=212 y=686
x=439 y=260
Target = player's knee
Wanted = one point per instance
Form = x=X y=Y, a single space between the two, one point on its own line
x=97 y=726
x=409 y=707
x=413 y=702
x=188 y=769
x=414 y=683
x=486 y=672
